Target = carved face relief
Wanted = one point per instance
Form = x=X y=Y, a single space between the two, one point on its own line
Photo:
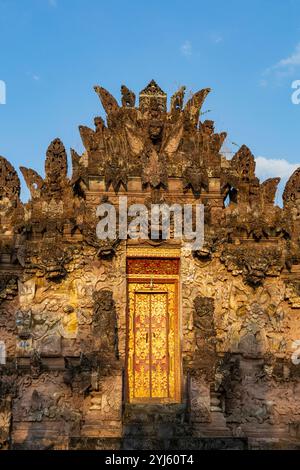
x=99 y=124
x=208 y=128
x=5 y=205
x=155 y=132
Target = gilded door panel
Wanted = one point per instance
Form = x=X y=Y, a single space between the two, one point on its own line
x=159 y=345
x=153 y=356
x=141 y=357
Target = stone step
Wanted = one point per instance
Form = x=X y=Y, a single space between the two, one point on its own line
x=154 y=422
x=182 y=443
x=160 y=430
x=145 y=413
x=185 y=443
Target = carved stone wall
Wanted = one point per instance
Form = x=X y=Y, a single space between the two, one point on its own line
x=63 y=292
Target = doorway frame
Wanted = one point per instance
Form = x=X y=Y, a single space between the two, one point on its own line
x=157 y=279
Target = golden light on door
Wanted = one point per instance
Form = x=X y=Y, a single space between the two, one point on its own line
x=153 y=349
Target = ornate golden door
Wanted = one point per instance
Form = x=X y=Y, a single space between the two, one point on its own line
x=153 y=366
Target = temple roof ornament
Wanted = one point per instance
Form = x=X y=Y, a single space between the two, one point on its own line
x=9 y=180
x=156 y=146
x=153 y=97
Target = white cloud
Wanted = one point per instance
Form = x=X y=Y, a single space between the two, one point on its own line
x=216 y=38
x=272 y=167
x=291 y=61
x=186 y=48
x=33 y=76
x=263 y=82
x=284 y=67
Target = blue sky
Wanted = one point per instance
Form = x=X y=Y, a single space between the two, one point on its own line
x=54 y=51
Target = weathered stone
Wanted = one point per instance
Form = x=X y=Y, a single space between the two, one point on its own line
x=63 y=292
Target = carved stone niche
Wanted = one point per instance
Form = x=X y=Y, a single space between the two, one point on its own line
x=104 y=325
x=205 y=350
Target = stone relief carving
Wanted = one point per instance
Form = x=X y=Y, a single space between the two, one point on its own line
x=63 y=292
x=105 y=322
